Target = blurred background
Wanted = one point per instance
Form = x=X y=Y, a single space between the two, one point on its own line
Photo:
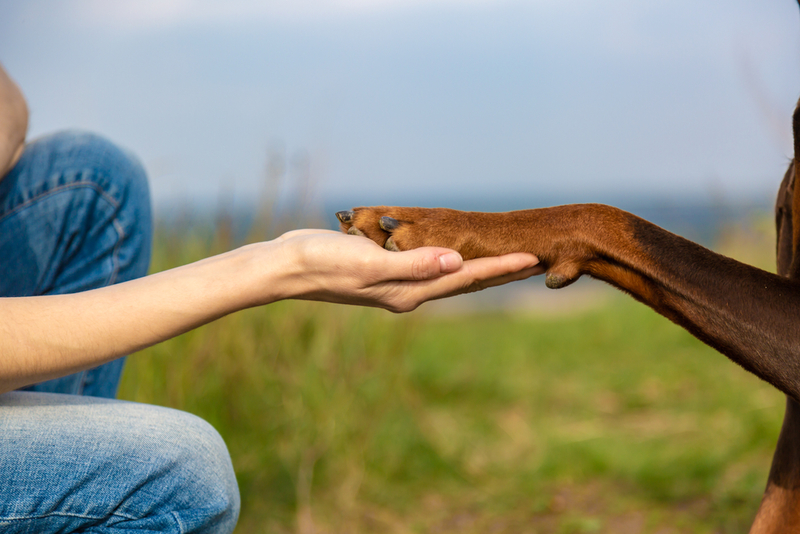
x=487 y=103
x=514 y=410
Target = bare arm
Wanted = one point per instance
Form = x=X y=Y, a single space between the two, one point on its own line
x=50 y=336
x=13 y=123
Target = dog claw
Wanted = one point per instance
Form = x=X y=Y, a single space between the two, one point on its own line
x=355 y=231
x=388 y=224
x=344 y=216
x=390 y=245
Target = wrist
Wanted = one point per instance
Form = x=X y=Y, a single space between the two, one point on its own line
x=264 y=272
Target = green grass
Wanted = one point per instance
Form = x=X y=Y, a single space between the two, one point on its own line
x=343 y=419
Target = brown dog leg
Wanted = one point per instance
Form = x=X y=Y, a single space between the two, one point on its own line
x=780 y=507
x=748 y=314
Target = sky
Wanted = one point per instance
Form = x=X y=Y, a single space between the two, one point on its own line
x=421 y=101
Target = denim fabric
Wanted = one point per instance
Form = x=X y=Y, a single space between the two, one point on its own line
x=74 y=215
x=90 y=465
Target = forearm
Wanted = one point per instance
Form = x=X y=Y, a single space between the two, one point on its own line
x=49 y=336
x=13 y=122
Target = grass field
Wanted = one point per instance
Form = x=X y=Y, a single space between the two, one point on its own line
x=342 y=419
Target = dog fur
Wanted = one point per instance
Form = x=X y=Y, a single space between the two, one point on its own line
x=750 y=315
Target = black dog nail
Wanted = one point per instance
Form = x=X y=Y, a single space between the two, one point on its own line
x=389 y=224
x=344 y=216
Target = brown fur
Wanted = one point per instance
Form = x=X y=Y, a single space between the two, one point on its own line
x=750 y=315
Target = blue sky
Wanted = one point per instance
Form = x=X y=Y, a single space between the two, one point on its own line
x=407 y=100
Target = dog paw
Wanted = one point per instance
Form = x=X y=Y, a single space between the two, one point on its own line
x=397 y=229
x=547 y=233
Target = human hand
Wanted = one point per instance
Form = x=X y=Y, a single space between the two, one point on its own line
x=332 y=267
x=108 y=322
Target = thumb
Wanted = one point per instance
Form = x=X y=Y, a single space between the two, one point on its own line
x=425 y=263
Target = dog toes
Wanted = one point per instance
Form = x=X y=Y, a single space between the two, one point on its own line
x=345 y=216
x=368 y=222
x=390 y=244
x=355 y=231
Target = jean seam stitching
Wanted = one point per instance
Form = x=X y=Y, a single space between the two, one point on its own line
x=115 y=255
x=82 y=383
x=59 y=189
x=67 y=514
x=178 y=522
x=105 y=196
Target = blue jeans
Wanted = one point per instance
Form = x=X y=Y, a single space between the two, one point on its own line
x=92 y=465
x=75 y=215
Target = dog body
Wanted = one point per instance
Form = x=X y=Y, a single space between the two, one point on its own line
x=750 y=315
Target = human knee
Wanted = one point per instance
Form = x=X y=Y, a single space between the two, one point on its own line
x=125 y=466
x=201 y=479
x=121 y=179
x=117 y=170
x=73 y=152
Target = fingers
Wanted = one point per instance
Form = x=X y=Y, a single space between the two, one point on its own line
x=420 y=264
x=325 y=250
x=481 y=273
x=340 y=268
x=474 y=275
x=304 y=232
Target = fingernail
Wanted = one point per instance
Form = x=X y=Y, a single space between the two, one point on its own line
x=449 y=262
